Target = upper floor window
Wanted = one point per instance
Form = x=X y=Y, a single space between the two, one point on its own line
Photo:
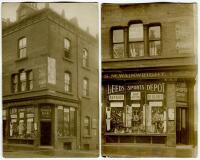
x=154 y=41
x=136 y=40
x=67 y=82
x=22 y=46
x=87 y=126
x=85 y=87
x=118 y=43
x=67 y=47
x=22 y=78
x=15 y=83
x=85 y=58
x=22 y=81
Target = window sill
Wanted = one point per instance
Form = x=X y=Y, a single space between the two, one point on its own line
x=21 y=59
x=86 y=68
x=67 y=59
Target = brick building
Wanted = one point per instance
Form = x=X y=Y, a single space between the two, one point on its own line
x=149 y=74
x=50 y=81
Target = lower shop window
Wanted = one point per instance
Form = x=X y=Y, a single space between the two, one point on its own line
x=66 y=121
x=137 y=109
x=22 y=122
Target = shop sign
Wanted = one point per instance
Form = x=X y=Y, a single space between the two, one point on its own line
x=21 y=115
x=181 y=92
x=116 y=104
x=30 y=115
x=174 y=74
x=155 y=96
x=135 y=105
x=45 y=112
x=155 y=104
x=116 y=97
x=115 y=88
x=171 y=114
x=135 y=95
x=13 y=116
x=152 y=87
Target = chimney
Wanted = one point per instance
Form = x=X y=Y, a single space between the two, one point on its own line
x=74 y=21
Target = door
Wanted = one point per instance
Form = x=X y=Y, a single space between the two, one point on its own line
x=45 y=133
x=4 y=129
x=181 y=125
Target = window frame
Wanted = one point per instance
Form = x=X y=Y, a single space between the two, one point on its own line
x=68 y=84
x=85 y=89
x=113 y=43
x=85 y=59
x=87 y=126
x=20 y=48
x=67 y=52
x=154 y=40
x=136 y=22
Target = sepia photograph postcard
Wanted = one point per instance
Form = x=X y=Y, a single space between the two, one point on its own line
x=149 y=80
x=50 y=77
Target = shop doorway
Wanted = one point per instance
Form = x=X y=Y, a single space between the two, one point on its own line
x=4 y=129
x=45 y=133
x=181 y=125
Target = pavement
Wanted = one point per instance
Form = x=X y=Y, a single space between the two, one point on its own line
x=148 y=150
x=29 y=152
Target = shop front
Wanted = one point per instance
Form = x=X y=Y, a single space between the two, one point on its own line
x=150 y=107
x=41 y=124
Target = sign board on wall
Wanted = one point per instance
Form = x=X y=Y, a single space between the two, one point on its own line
x=156 y=104
x=51 y=70
x=155 y=96
x=116 y=97
x=116 y=104
x=135 y=95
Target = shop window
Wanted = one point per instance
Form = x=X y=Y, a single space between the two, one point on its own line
x=118 y=43
x=15 y=83
x=85 y=58
x=67 y=48
x=22 y=122
x=67 y=81
x=85 y=87
x=136 y=108
x=22 y=46
x=136 y=40
x=66 y=121
x=87 y=126
x=154 y=41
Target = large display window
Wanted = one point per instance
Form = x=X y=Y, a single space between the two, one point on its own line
x=22 y=122
x=137 y=108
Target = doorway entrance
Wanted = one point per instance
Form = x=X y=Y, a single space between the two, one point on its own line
x=45 y=133
x=181 y=125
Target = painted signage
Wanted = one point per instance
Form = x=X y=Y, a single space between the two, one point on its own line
x=51 y=70
x=116 y=104
x=116 y=97
x=115 y=88
x=135 y=105
x=149 y=75
x=45 y=112
x=156 y=104
x=135 y=95
x=155 y=96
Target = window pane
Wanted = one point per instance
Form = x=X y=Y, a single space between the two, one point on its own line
x=118 y=50
x=66 y=122
x=154 y=47
x=22 y=76
x=154 y=33
x=136 y=49
x=118 y=35
x=85 y=57
x=136 y=32
x=30 y=85
x=23 y=86
x=30 y=75
x=67 y=44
